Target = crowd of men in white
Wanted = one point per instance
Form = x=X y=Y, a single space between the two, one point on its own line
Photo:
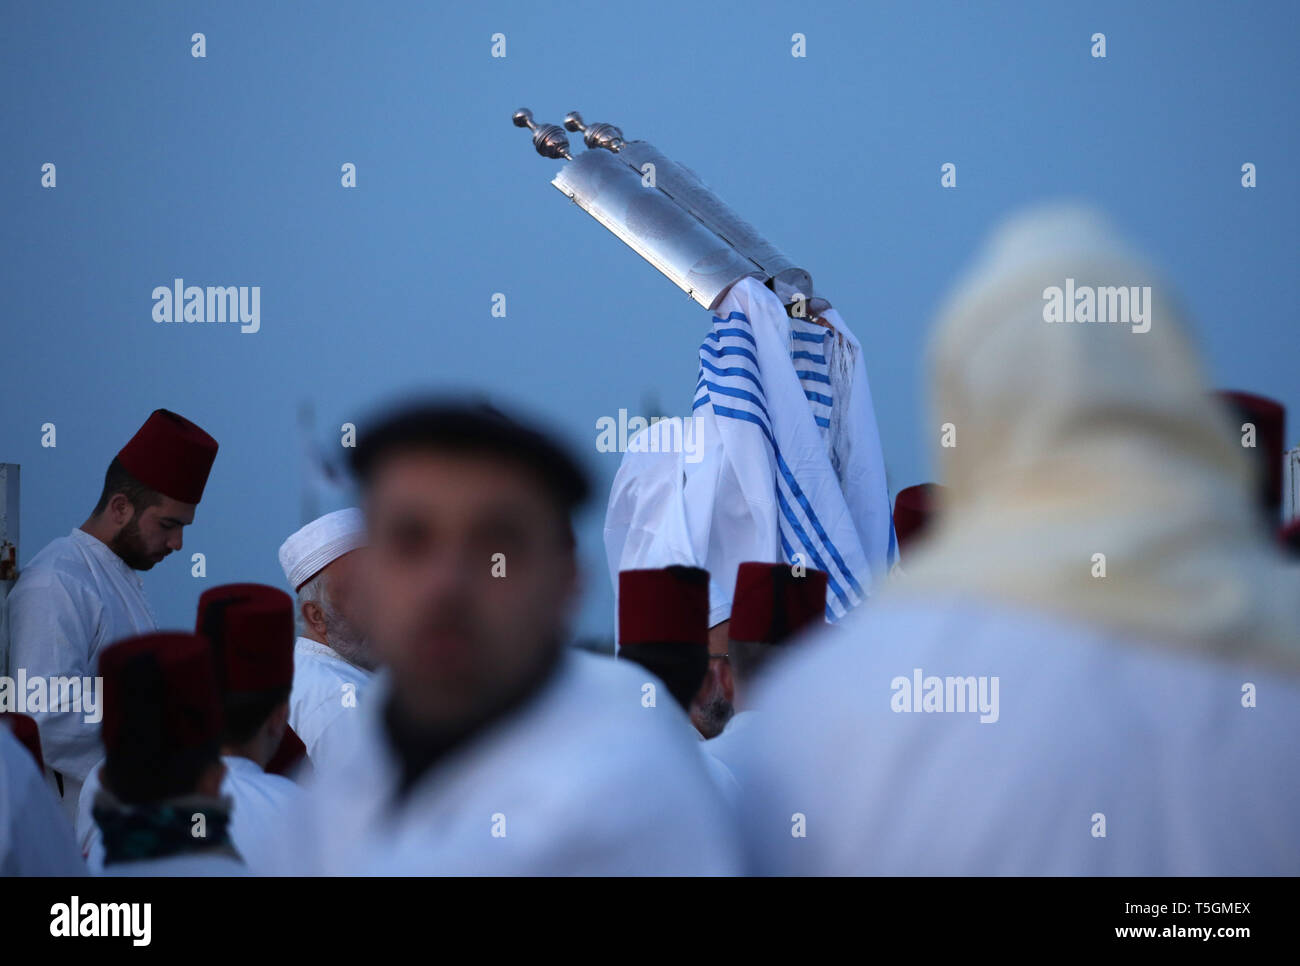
x=409 y=705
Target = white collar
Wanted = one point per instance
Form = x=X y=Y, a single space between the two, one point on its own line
x=241 y=764
x=327 y=652
x=105 y=552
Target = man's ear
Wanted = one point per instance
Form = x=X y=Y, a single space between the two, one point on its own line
x=119 y=510
x=314 y=615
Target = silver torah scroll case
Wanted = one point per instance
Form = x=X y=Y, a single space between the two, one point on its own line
x=667 y=215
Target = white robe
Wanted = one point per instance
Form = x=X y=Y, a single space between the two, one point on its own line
x=582 y=780
x=670 y=508
x=723 y=749
x=791 y=403
x=781 y=461
x=73 y=599
x=186 y=865
x=259 y=802
x=1090 y=725
x=723 y=778
x=326 y=700
x=35 y=838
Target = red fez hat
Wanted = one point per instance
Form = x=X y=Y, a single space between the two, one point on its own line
x=665 y=606
x=171 y=455
x=914 y=510
x=160 y=695
x=250 y=629
x=24 y=729
x=1269 y=417
x=771 y=604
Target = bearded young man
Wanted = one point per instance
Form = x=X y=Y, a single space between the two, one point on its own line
x=82 y=592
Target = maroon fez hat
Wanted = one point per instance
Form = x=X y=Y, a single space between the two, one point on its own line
x=772 y=605
x=160 y=694
x=171 y=455
x=914 y=510
x=1269 y=417
x=666 y=606
x=250 y=629
x=24 y=729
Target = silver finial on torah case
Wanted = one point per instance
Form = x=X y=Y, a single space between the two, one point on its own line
x=666 y=214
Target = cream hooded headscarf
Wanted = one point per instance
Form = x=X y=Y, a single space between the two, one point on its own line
x=1075 y=439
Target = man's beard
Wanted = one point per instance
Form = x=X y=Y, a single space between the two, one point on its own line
x=713 y=714
x=130 y=546
x=348 y=641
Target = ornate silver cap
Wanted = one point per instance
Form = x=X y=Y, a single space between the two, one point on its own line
x=549 y=139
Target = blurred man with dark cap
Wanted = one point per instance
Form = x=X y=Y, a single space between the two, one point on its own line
x=249 y=630
x=663 y=626
x=772 y=605
x=488 y=745
x=1100 y=565
x=647 y=529
x=82 y=592
x=333 y=660
x=159 y=808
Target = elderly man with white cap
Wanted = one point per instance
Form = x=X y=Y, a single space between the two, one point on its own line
x=332 y=660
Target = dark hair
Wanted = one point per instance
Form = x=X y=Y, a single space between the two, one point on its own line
x=474 y=430
x=680 y=666
x=138 y=775
x=244 y=712
x=118 y=480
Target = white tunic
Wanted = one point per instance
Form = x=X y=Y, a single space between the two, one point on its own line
x=722 y=749
x=325 y=702
x=666 y=510
x=582 y=780
x=259 y=801
x=35 y=838
x=73 y=599
x=186 y=865
x=723 y=779
x=1090 y=729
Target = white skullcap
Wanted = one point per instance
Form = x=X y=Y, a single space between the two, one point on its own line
x=313 y=548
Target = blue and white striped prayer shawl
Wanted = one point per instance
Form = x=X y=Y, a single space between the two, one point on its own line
x=792 y=406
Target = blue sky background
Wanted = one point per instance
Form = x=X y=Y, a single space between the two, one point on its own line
x=225 y=171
